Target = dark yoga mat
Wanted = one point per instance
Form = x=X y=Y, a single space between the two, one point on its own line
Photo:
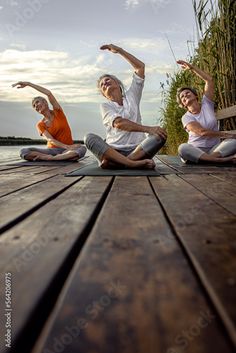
x=93 y=169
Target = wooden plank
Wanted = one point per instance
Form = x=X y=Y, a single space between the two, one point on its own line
x=226 y=113
x=40 y=169
x=37 y=170
x=11 y=170
x=60 y=170
x=207 y=233
x=130 y=284
x=33 y=170
x=9 y=160
x=172 y=162
x=5 y=167
x=228 y=177
x=162 y=167
x=39 y=260
x=20 y=203
x=219 y=191
x=14 y=182
x=181 y=168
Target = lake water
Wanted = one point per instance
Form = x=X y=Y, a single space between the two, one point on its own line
x=12 y=151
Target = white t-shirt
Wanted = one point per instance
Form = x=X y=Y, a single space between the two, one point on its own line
x=120 y=139
x=206 y=118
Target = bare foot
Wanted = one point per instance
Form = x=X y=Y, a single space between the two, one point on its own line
x=106 y=164
x=143 y=164
x=46 y=157
x=140 y=164
x=220 y=160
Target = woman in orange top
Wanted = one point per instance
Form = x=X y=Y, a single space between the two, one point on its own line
x=54 y=127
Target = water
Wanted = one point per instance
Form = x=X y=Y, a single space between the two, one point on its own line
x=12 y=151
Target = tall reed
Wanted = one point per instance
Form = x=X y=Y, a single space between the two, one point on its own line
x=216 y=54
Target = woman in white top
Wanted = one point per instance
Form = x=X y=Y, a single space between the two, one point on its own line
x=126 y=143
x=200 y=122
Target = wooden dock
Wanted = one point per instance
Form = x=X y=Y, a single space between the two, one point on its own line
x=118 y=264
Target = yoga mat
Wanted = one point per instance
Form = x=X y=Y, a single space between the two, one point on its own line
x=93 y=169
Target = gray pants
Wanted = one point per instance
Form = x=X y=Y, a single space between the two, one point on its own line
x=52 y=151
x=190 y=153
x=151 y=145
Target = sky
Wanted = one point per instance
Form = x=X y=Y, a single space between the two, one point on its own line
x=55 y=44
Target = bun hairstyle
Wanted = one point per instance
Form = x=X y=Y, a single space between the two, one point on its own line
x=115 y=79
x=181 y=89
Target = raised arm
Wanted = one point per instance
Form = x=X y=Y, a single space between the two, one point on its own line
x=139 y=66
x=209 y=83
x=51 y=98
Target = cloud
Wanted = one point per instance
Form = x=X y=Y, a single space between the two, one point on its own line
x=145 y=44
x=72 y=80
x=129 y=4
x=160 y=69
x=20 y=46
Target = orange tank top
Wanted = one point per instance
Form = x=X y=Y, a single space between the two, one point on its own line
x=59 y=129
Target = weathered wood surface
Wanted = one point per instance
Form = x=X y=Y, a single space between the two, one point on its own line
x=130 y=285
x=145 y=266
x=219 y=191
x=181 y=168
x=41 y=259
x=207 y=232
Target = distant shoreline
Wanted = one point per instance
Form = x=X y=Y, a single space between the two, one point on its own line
x=19 y=141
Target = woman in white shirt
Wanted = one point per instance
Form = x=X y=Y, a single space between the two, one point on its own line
x=200 y=122
x=126 y=143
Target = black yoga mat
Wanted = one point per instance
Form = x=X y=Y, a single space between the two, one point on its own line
x=93 y=169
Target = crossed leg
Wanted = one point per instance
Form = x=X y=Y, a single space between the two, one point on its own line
x=111 y=158
x=222 y=153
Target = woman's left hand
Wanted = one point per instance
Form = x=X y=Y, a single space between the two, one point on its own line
x=113 y=48
x=20 y=84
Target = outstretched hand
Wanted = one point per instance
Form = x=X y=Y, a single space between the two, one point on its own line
x=184 y=65
x=20 y=84
x=111 y=47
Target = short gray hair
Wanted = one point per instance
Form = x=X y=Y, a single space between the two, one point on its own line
x=181 y=89
x=39 y=97
x=122 y=88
